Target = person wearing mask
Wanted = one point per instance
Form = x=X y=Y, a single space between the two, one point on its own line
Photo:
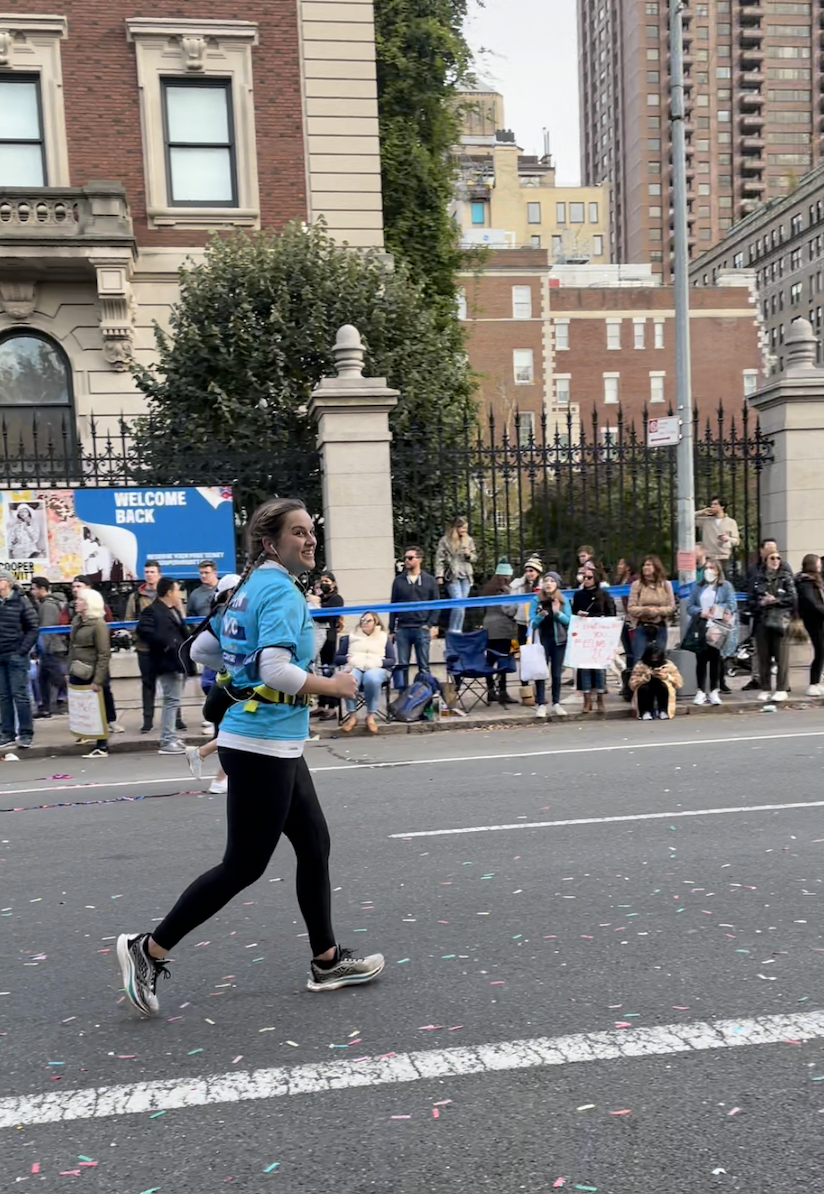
x=370 y=659
x=549 y=615
x=267 y=643
x=202 y=598
x=501 y=630
x=330 y=599
x=90 y=652
x=712 y=599
x=454 y=558
x=210 y=628
x=18 y=634
x=810 y=590
x=53 y=649
x=526 y=584
x=139 y=601
x=161 y=627
x=772 y=598
x=650 y=606
x=592 y=601
x=418 y=627
x=719 y=534
x=654 y=683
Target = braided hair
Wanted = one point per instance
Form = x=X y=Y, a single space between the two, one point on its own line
x=267 y=521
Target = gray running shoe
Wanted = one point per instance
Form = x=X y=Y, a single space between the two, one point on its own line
x=195 y=761
x=139 y=972
x=346 y=971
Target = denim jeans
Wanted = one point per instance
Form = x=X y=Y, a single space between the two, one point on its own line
x=592 y=679
x=171 y=685
x=555 y=658
x=14 y=695
x=407 y=637
x=370 y=681
x=459 y=587
x=641 y=639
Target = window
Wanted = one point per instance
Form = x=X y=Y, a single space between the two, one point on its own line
x=656 y=387
x=562 y=381
x=576 y=213
x=750 y=382
x=557 y=245
x=654 y=188
x=560 y=213
x=35 y=380
x=200 y=152
x=611 y=388
x=597 y=246
x=521 y=302
x=659 y=333
x=614 y=334
x=796 y=225
x=526 y=428
x=523 y=367
x=653 y=100
x=479 y=213
x=593 y=213
x=22 y=156
x=461 y=300
x=533 y=213
x=561 y=335
x=638 y=326
x=795 y=294
x=534 y=242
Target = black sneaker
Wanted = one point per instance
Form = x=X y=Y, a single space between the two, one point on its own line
x=345 y=971
x=139 y=972
x=146 y=728
x=751 y=684
x=180 y=724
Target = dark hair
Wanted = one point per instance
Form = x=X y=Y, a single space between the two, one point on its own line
x=329 y=576
x=769 y=539
x=202 y=564
x=266 y=521
x=807 y=566
x=165 y=585
x=721 y=502
x=653 y=656
x=495 y=586
x=658 y=570
x=40 y=582
x=83 y=580
x=595 y=568
x=152 y=564
x=416 y=548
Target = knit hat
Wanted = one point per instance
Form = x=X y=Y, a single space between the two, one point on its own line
x=504 y=567
x=556 y=577
x=6 y=575
x=534 y=562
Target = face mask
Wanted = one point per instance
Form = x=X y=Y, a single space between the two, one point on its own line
x=709 y=574
x=326 y=588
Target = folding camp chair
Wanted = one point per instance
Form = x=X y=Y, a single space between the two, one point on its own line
x=389 y=663
x=471 y=665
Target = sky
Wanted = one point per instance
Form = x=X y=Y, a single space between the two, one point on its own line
x=531 y=58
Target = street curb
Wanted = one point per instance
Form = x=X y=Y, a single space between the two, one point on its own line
x=615 y=712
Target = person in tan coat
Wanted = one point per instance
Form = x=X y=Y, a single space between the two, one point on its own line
x=650 y=604
x=654 y=683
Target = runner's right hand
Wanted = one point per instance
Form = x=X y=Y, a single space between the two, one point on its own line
x=345 y=684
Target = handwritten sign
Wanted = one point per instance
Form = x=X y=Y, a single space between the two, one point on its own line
x=592 y=642
x=87 y=714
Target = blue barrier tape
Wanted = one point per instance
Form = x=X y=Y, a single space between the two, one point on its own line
x=386 y=607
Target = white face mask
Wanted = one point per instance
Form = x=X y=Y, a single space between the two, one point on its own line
x=709 y=574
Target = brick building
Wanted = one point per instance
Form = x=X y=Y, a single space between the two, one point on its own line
x=200 y=115
x=560 y=338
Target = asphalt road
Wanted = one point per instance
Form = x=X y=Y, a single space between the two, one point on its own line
x=575 y=902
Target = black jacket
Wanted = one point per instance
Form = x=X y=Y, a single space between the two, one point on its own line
x=595 y=603
x=162 y=629
x=402 y=592
x=810 y=600
x=779 y=585
x=18 y=624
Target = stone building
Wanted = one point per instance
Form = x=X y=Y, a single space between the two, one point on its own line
x=128 y=134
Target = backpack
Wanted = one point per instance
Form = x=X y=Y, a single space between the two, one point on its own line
x=413 y=702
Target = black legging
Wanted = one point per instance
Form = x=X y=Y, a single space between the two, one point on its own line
x=653 y=692
x=815 y=629
x=712 y=656
x=267 y=796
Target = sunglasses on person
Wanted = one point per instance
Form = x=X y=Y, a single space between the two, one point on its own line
x=410 y=557
x=774 y=556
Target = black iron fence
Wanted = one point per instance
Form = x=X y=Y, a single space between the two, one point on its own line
x=567 y=484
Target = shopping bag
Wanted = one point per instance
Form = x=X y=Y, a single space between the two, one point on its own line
x=533 y=662
x=87 y=713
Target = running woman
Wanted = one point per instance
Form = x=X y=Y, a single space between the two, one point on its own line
x=267 y=639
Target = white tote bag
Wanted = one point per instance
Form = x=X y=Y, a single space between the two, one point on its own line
x=533 y=661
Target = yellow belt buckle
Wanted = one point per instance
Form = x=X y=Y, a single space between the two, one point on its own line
x=251 y=706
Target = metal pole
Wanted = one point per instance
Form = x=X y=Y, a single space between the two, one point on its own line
x=683 y=381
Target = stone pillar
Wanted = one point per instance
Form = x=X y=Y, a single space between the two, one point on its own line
x=791 y=409
x=352 y=414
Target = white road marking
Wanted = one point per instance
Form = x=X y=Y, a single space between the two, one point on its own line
x=115 y=783
x=138 y=1098
x=692 y=812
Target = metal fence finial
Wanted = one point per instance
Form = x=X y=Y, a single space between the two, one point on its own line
x=348 y=352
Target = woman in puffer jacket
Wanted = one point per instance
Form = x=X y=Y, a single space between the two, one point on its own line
x=370 y=659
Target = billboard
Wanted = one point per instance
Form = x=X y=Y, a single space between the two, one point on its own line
x=108 y=534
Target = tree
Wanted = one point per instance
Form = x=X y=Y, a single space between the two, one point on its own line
x=251 y=337
x=423 y=60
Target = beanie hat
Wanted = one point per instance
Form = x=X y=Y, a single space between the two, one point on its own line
x=504 y=567
x=534 y=562
x=556 y=577
x=6 y=575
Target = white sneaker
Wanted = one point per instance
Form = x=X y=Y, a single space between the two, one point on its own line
x=114 y=728
x=700 y=697
x=559 y=710
x=219 y=787
x=780 y=696
x=195 y=761
x=764 y=696
x=814 y=690
x=663 y=716
x=715 y=697
x=540 y=711
x=207 y=727
x=646 y=717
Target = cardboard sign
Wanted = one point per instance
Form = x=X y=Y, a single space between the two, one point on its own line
x=87 y=713
x=592 y=642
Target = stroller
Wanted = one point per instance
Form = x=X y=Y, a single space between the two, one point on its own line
x=743 y=658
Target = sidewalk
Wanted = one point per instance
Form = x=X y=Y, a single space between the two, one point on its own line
x=52 y=737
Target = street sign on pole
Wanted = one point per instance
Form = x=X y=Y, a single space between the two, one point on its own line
x=663 y=433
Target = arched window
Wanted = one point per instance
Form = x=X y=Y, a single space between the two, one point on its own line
x=36 y=401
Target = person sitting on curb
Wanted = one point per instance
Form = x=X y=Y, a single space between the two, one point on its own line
x=654 y=683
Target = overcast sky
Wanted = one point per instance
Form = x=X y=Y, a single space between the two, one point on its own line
x=532 y=59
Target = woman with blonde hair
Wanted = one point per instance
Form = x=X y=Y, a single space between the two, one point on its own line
x=453 y=566
x=370 y=658
x=90 y=651
x=651 y=602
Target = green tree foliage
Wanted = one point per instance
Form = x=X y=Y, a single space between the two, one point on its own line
x=423 y=61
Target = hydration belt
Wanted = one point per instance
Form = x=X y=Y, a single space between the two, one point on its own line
x=258 y=694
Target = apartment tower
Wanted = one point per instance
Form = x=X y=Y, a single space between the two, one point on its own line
x=754 y=80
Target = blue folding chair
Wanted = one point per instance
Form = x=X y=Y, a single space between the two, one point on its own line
x=471 y=665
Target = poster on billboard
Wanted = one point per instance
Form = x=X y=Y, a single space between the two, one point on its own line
x=108 y=534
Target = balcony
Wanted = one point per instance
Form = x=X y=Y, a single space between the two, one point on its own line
x=43 y=229
x=751 y=145
x=750 y=13
x=747 y=206
x=753 y=186
x=750 y=99
x=751 y=121
x=750 y=34
x=750 y=78
x=752 y=165
x=752 y=55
